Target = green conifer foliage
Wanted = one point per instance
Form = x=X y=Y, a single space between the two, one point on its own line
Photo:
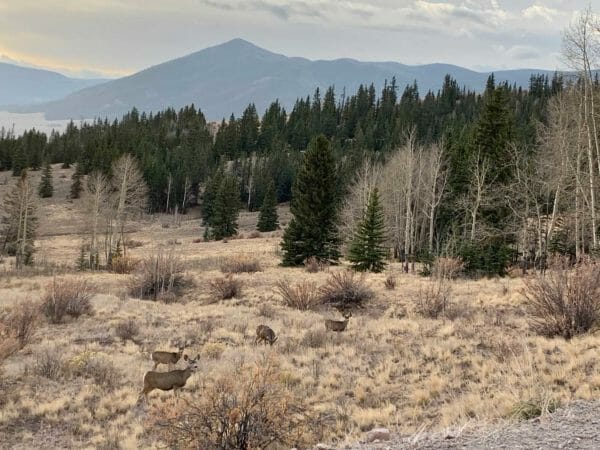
x=267 y=218
x=76 y=185
x=46 y=188
x=223 y=222
x=367 y=250
x=313 y=229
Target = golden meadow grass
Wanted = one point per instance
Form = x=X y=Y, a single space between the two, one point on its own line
x=391 y=367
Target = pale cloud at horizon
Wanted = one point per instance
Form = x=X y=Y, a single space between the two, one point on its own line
x=119 y=37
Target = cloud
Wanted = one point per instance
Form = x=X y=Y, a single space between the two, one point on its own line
x=538 y=11
x=523 y=52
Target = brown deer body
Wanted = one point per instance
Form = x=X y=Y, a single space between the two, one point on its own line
x=167 y=381
x=265 y=334
x=169 y=358
x=338 y=325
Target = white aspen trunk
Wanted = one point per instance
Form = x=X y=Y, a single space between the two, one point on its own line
x=590 y=166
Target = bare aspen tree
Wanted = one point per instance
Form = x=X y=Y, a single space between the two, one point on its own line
x=367 y=178
x=20 y=221
x=580 y=49
x=169 y=183
x=478 y=194
x=97 y=194
x=435 y=177
x=131 y=192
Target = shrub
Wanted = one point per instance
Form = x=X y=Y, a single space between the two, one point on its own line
x=448 y=268
x=89 y=364
x=390 y=282
x=301 y=296
x=48 y=363
x=67 y=297
x=157 y=276
x=434 y=299
x=250 y=408
x=314 y=338
x=225 y=288
x=530 y=409
x=564 y=301
x=20 y=323
x=240 y=264
x=344 y=290
x=123 y=264
x=127 y=329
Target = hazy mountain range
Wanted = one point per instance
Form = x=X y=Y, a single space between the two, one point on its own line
x=222 y=80
x=23 y=85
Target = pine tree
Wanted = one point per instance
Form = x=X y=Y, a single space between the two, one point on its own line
x=46 y=188
x=313 y=229
x=367 y=251
x=267 y=218
x=76 y=185
x=223 y=222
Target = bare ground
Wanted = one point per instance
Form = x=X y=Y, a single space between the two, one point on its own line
x=575 y=427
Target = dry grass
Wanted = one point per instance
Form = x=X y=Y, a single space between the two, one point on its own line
x=392 y=367
x=240 y=264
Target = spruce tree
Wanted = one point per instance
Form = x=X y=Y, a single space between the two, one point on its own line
x=209 y=196
x=76 y=185
x=313 y=229
x=46 y=189
x=267 y=218
x=367 y=251
x=223 y=222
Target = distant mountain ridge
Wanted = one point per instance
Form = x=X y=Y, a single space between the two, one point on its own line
x=24 y=85
x=224 y=79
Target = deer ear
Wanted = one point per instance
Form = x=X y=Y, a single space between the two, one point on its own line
x=185 y=357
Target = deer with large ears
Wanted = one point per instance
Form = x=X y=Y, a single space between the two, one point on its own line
x=169 y=381
x=338 y=325
x=169 y=358
x=265 y=334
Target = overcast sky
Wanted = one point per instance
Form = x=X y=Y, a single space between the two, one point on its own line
x=119 y=37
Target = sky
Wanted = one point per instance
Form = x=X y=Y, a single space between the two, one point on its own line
x=111 y=38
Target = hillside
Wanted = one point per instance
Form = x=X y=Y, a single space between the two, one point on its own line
x=224 y=79
x=24 y=85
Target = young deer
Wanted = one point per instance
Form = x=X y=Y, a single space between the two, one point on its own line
x=167 y=381
x=338 y=325
x=169 y=358
x=264 y=334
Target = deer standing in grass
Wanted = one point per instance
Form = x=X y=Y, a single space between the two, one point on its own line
x=264 y=334
x=168 y=381
x=338 y=325
x=169 y=358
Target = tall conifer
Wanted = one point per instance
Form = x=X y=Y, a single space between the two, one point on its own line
x=313 y=229
x=367 y=251
x=267 y=218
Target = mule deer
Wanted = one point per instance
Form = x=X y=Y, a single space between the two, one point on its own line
x=265 y=334
x=338 y=325
x=168 y=358
x=167 y=381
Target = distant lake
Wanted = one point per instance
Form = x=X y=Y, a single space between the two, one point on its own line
x=23 y=122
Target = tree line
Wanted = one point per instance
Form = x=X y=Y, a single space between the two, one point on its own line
x=499 y=177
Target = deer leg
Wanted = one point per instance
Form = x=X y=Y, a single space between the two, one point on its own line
x=155 y=365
